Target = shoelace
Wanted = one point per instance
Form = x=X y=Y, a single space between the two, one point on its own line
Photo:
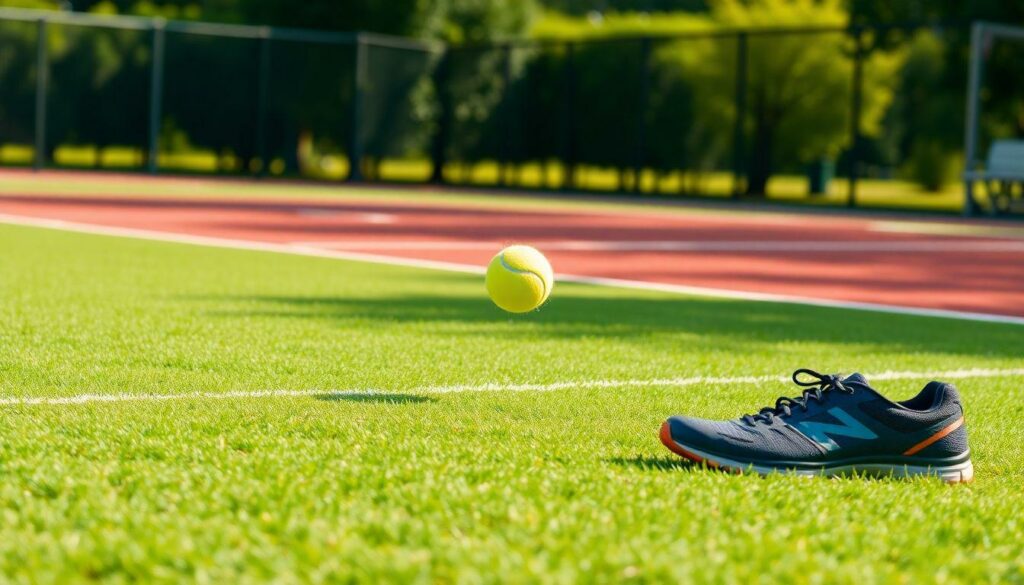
x=817 y=387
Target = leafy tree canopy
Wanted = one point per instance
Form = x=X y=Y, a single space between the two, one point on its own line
x=882 y=11
x=451 y=20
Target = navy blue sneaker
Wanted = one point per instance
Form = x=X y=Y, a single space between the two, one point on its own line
x=838 y=426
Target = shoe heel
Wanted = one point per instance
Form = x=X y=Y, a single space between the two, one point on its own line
x=963 y=473
x=966 y=474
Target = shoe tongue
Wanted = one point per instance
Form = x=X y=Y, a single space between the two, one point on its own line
x=858 y=380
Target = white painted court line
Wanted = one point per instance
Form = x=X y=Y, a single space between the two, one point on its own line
x=320 y=252
x=802 y=247
x=968 y=230
x=365 y=217
x=494 y=387
x=230 y=243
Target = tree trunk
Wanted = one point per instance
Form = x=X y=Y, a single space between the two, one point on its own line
x=371 y=168
x=760 y=169
x=290 y=155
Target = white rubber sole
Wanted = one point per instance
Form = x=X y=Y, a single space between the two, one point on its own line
x=959 y=473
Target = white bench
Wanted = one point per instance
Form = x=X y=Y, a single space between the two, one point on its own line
x=1003 y=176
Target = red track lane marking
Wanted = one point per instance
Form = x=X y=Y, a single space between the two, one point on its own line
x=985 y=276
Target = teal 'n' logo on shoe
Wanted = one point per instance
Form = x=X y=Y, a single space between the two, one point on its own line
x=851 y=427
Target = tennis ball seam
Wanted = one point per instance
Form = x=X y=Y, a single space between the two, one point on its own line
x=505 y=265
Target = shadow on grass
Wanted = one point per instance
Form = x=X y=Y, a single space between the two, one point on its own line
x=654 y=463
x=375 y=397
x=724 y=324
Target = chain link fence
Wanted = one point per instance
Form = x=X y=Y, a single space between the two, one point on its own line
x=869 y=116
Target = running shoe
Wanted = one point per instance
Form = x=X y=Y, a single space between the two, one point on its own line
x=840 y=425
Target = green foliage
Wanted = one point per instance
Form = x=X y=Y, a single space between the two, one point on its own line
x=474 y=21
x=929 y=110
x=90 y=68
x=98 y=78
x=215 y=104
x=36 y=4
x=475 y=88
x=394 y=16
x=400 y=106
x=1002 y=100
x=557 y=26
x=694 y=81
x=170 y=11
x=799 y=85
x=17 y=81
x=585 y=7
x=528 y=119
x=920 y=130
x=797 y=103
x=874 y=11
x=931 y=165
x=798 y=88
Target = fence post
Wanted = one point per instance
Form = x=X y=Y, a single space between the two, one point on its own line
x=975 y=74
x=855 y=107
x=739 y=132
x=42 y=79
x=262 y=100
x=503 y=166
x=355 y=151
x=570 y=117
x=444 y=120
x=156 y=91
x=640 y=156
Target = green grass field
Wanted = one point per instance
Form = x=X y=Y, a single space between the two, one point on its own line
x=403 y=485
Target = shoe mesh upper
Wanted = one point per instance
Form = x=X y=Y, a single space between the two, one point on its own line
x=908 y=421
x=775 y=441
x=838 y=423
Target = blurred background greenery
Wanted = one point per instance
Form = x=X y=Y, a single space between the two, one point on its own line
x=651 y=86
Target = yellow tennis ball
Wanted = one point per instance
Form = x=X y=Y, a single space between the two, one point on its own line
x=519 y=279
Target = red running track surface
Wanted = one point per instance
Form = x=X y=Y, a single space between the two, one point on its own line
x=918 y=264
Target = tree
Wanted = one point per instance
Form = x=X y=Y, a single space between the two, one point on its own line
x=924 y=139
x=799 y=85
x=99 y=83
x=799 y=88
x=474 y=21
x=398 y=17
x=691 y=106
x=963 y=11
x=17 y=81
x=399 y=105
x=920 y=133
x=473 y=89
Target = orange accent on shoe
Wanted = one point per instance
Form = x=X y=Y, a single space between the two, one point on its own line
x=942 y=433
x=666 y=439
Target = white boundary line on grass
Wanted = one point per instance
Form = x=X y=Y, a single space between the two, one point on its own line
x=472 y=269
x=493 y=387
x=745 y=246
